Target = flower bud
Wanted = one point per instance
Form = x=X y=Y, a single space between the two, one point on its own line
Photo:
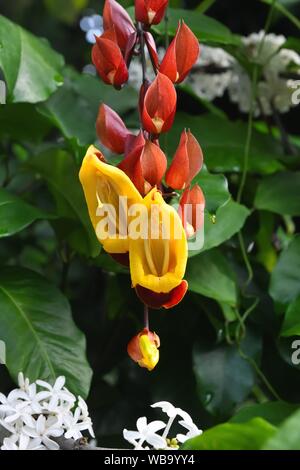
x=145 y=164
x=143 y=349
x=114 y=15
x=181 y=54
x=150 y=11
x=159 y=106
x=187 y=162
x=108 y=59
x=191 y=210
x=111 y=130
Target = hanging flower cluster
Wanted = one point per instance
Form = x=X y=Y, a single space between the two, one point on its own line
x=147 y=433
x=36 y=413
x=129 y=204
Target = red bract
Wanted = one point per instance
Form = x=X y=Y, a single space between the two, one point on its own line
x=145 y=164
x=159 y=105
x=115 y=16
x=108 y=59
x=150 y=11
x=155 y=300
x=111 y=129
x=191 y=210
x=151 y=46
x=186 y=163
x=181 y=55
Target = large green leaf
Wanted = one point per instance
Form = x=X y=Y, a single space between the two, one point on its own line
x=32 y=69
x=285 y=285
x=273 y=411
x=74 y=107
x=22 y=121
x=279 y=193
x=215 y=189
x=210 y=274
x=40 y=336
x=223 y=144
x=224 y=378
x=16 y=214
x=288 y=435
x=60 y=172
x=207 y=30
x=231 y=436
x=291 y=324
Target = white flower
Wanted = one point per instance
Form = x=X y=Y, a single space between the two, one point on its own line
x=170 y=410
x=56 y=393
x=193 y=430
x=92 y=26
x=22 y=442
x=146 y=432
x=44 y=428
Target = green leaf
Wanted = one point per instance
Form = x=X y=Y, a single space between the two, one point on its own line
x=210 y=274
x=229 y=219
x=60 y=172
x=288 y=435
x=285 y=285
x=274 y=412
x=231 y=436
x=215 y=189
x=41 y=338
x=32 y=69
x=224 y=378
x=280 y=6
x=206 y=29
x=279 y=193
x=291 y=324
x=22 y=122
x=74 y=107
x=16 y=214
x=223 y=144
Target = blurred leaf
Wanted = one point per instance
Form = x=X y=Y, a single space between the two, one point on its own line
x=32 y=69
x=280 y=6
x=224 y=378
x=229 y=219
x=74 y=107
x=210 y=274
x=291 y=324
x=288 y=435
x=266 y=253
x=231 y=436
x=22 y=122
x=223 y=144
x=67 y=13
x=215 y=189
x=207 y=30
x=279 y=193
x=60 y=172
x=285 y=285
x=16 y=214
x=205 y=5
x=274 y=412
x=41 y=338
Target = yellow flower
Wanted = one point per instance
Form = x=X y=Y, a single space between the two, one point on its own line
x=103 y=185
x=158 y=260
x=143 y=349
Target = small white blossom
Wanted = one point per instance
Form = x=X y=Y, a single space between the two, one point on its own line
x=22 y=442
x=146 y=432
x=92 y=26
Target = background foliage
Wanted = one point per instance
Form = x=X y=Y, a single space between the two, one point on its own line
x=226 y=350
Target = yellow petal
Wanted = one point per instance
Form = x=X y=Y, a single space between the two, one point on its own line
x=149 y=352
x=104 y=184
x=159 y=263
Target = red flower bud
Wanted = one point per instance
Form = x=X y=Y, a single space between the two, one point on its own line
x=151 y=46
x=145 y=164
x=108 y=59
x=111 y=130
x=143 y=349
x=150 y=11
x=181 y=54
x=187 y=162
x=159 y=105
x=114 y=15
x=167 y=300
x=191 y=210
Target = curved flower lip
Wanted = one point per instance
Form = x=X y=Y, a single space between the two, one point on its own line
x=114 y=15
x=156 y=300
x=158 y=262
x=150 y=11
x=104 y=184
x=181 y=54
x=159 y=106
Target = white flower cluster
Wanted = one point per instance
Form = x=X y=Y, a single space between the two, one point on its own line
x=36 y=413
x=92 y=26
x=274 y=90
x=147 y=433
